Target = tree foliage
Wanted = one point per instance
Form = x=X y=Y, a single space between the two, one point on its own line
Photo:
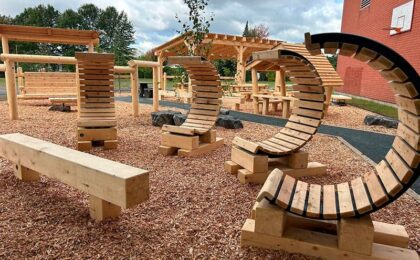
x=116 y=31
x=333 y=60
x=258 y=31
x=196 y=27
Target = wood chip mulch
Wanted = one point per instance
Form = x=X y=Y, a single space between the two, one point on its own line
x=196 y=210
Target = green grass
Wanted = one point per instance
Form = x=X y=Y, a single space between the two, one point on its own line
x=375 y=107
x=2 y=83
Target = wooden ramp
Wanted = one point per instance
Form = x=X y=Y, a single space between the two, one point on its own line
x=350 y=203
x=306 y=117
x=110 y=185
x=195 y=136
x=96 y=107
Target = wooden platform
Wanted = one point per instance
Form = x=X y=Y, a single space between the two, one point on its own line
x=110 y=185
x=251 y=168
x=183 y=145
x=96 y=107
x=353 y=238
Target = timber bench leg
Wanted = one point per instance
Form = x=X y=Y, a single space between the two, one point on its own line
x=25 y=174
x=100 y=209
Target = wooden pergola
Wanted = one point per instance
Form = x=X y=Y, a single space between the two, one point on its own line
x=38 y=35
x=223 y=46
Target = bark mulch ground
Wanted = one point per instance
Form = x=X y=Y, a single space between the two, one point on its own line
x=196 y=210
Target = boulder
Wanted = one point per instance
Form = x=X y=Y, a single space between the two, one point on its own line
x=229 y=122
x=166 y=117
x=179 y=119
x=60 y=108
x=381 y=120
x=224 y=111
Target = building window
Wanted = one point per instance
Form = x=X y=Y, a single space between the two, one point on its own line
x=364 y=3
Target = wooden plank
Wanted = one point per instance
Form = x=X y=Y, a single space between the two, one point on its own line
x=395 y=74
x=290 y=139
x=302 y=128
x=310 y=96
x=306 y=81
x=284 y=144
x=273 y=145
x=381 y=63
x=296 y=134
x=245 y=144
x=376 y=192
x=406 y=89
x=365 y=54
x=285 y=193
x=361 y=198
x=398 y=165
x=208 y=118
x=411 y=105
x=211 y=101
x=391 y=184
x=348 y=49
x=207 y=95
x=410 y=156
x=270 y=186
x=409 y=136
x=329 y=209
x=308 y=112
x=409 y=119
x=205 y=106
x=299 y=198
x=203 y=112
x=345 y=201
x=314 y=201
x=252 y=162
x=305 y=120
x=180 y=141
x=114 y=182
x=311 y=105
x=200 y=122
x=308 y=88
x=207 y=89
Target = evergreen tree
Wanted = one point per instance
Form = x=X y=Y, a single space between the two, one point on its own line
x=246 y=30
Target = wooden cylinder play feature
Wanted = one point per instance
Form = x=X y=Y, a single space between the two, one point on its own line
x=352 y=202
x=96 y=114
x=195 y=135
x=250 y=160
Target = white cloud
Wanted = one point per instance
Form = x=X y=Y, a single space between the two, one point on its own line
x=155 y=23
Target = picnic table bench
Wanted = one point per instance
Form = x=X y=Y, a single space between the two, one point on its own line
x=110 y=185
x=275 y=100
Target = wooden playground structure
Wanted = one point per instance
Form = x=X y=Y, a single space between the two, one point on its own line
x=347 y=206
x=196 y=136
x=330 y=221
x=252 y=162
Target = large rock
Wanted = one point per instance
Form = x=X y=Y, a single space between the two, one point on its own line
x=224 y=111
x=164 y=117
x=380 y=120
x=60 y=108
x=179 y=119
x=229 y=122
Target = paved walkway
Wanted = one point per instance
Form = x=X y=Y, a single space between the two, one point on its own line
x=372 y=145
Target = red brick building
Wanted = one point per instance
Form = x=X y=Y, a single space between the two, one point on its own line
x=374 y=19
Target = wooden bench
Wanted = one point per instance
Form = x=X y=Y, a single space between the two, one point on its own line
x=340 y=99
x=195 y=135
x=110 y=185
x=250 y=160
x=348 y=204
x=96 y=112
x=44 y=85
x=69 y=101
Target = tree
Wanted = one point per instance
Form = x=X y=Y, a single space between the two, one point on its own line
x=333 y=60
x=246 y=30
x=90 y=14
x=259 y=31
x=197 y=26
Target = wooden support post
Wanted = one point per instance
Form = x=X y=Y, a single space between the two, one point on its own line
x=100 y=209
x=160 y=71
x=356 y=235
x=25 y=174
x=164 y=81
x=281 y=82
x=91 y=47
x=155 y=90
x=20 y=78
x=254 y=89
x=134 y=77
x=10 y=81
x=269 y=219
x=240 y=65
x=328 y=94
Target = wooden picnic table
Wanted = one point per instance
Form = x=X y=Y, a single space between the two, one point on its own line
x=275 y=100
x=248 y=87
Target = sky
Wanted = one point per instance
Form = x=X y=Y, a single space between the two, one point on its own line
x=154 y=20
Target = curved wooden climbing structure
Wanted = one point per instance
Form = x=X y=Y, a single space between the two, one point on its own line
x=203 y=113
x=308 y=111
x=393 y=176
x=350 y=232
